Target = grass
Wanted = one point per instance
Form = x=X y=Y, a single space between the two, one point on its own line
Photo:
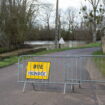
x=98 y=53
x=8 y=61
x=64 y=49
x=11 y=60
x=93 y=45
x=100 y=62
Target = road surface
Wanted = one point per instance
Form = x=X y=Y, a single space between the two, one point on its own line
x=11 y=91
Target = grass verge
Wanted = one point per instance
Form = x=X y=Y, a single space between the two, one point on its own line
x=100 y=62
x=64 y=49
x=93 y=45
x=11 y=60
x=8 y=61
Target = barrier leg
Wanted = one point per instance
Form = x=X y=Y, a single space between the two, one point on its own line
x=64 y=88
x=24 y=86
x=72 y=88
x=79 y=84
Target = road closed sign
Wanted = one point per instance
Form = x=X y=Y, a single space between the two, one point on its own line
x=38 y=70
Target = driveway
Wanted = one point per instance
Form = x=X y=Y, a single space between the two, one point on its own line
x=11 y=91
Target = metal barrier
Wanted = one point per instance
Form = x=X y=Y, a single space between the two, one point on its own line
x=63 y=70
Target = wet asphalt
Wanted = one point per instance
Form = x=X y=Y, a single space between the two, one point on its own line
x=11 y=91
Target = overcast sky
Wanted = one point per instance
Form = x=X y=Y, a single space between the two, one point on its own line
x=64 y=4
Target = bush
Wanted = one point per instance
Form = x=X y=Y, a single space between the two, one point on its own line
x=4 y=50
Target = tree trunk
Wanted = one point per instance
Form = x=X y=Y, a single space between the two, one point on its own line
x=94 y=36
x=94 y=26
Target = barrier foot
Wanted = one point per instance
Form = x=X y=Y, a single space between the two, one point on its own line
x=33 y=86
x=64 y=88
x=24 y=86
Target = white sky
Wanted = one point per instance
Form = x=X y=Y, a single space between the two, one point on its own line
x=69 y=3
x=64 y=4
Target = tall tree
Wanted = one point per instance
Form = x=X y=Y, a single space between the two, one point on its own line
x=94 y=16
x=16 y=19
x=71 y=14
x=48 y=10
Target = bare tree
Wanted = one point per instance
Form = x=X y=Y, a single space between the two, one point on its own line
x=71 y=14
x=94 y=16
x=48 y=10
x=62 y=21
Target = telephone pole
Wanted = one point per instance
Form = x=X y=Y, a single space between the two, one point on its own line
x=57 y=25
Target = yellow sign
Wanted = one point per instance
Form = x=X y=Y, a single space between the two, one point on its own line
x=38 y=70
